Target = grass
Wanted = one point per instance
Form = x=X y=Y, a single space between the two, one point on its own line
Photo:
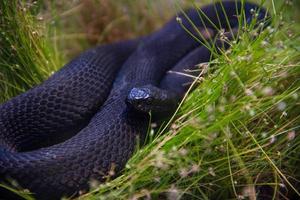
x=26 y=55
x=238 y=129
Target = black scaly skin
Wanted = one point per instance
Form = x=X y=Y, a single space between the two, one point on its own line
x=63 y=104
x=109 y=138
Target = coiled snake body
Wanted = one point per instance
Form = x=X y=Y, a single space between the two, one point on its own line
x=84 y=120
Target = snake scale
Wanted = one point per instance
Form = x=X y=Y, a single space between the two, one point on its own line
x=85 y=119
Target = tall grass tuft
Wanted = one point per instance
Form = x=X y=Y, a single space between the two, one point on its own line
x=27 y=56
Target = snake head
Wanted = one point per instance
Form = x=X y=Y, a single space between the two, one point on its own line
x=152 y=99
x=140 y=99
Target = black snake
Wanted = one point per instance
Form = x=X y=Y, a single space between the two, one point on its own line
x=85 y=119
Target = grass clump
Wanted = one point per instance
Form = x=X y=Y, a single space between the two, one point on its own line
x=237 y=131
x=27 y=56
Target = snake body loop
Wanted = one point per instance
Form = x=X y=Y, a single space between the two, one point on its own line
x=78 y=125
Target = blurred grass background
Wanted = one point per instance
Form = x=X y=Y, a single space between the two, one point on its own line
x=238 y=130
